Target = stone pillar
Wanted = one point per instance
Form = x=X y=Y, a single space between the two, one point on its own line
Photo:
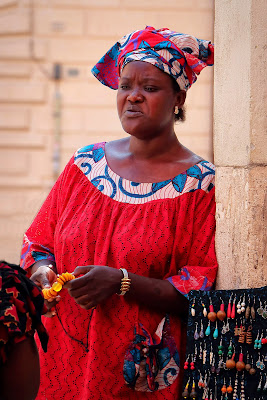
x=240 y=142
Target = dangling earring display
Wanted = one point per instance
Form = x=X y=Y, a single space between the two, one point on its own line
x=186 y=363
x=229 y=308
x=238 y=307
x=229 y=388
x=176 y=110
x=256 y=341
x=205 y=312
x=201 y=333
x=243 y=305
x=220 y=349
x=249 y=335
x=221 y=314
x=247 y=312
x=259 y=385
x=193 y=394
x=240 y=365
x=212 y=316
x=242 y=391
x=216 y=332
x=185 y=393
x=230 y=364
x=196 y=334
x=252 y=310
x=207 y=331
x=224 y=389
x=233 y=309
x=193 y=311
x=260 y=310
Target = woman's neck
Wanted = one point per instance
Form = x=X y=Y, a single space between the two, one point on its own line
x=156 y=147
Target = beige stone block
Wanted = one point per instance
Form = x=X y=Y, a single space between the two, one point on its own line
x=18 y=48
x=193 y=22
x=20 y=202
x=199 y=144
x=14 y=163
x=7 y=3
x=157 y=4
x=59 y=21
x=42 y=118
x=117 y=23
x=73 y=120
x=197 y=121
x=14 y=139
x=88 y=94
x=14 y=22
x=85 y=3
x=22 y=92
x=40 y=164
x=99 y=120
x=18 y=70
x=204 y=4
x=241 y=213
x=14 y=117
x=16 y=181
x=232 y=83
x=201 y=95
x=76 y=73
x=82 y=50
x=258 y=136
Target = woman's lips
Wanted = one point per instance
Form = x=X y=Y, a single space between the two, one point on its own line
x=133 y=113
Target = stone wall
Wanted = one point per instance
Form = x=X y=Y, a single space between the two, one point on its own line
x=37 y=114
x=240 y=142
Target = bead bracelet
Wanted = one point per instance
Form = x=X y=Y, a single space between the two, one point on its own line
x=57 y=285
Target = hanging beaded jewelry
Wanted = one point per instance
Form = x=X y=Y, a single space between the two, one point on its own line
x=221 y=314
x=57 y=285
x=205 y=312
x=243 y=305
x=196 y=334
x=193 y=310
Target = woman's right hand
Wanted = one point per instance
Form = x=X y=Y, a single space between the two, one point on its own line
x=44 y=277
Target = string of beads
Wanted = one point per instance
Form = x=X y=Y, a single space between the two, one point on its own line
x=57 y=285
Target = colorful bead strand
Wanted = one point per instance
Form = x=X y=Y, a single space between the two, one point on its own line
x=57 y=285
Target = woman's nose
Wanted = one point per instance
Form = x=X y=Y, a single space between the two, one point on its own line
x=135 y=95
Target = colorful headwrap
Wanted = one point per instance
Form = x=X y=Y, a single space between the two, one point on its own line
x=179 y=55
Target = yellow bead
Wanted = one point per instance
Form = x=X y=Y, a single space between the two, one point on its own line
x=56 y=286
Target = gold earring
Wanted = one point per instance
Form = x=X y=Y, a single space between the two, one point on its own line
x=176 y=110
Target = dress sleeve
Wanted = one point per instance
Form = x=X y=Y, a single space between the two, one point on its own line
x=201 y=269
x=38 y=241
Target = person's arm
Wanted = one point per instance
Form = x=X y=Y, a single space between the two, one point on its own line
x=100 y=282
x=20 y=375
x=169 y=295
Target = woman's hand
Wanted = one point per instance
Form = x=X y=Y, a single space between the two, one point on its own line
x=95 y=286
x=44 y=277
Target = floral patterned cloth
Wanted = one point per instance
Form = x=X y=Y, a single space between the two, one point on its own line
x=179 y=55
x=165 y=230
x=151 y=363
x=21 y=306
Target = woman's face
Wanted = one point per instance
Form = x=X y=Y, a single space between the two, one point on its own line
x=146 y=100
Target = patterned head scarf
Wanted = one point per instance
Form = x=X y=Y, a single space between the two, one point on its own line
x=179 y=55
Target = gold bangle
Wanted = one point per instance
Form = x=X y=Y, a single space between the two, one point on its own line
x=125 y=282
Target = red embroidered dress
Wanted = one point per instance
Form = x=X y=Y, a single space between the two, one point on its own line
x=160 y=230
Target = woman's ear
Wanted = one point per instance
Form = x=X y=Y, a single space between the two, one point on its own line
x=180 y=98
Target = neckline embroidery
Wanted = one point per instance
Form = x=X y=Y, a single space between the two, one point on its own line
x=92 y=162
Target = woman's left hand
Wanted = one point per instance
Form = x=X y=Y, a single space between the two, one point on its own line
x=95 y=286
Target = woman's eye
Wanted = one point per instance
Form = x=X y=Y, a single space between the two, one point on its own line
x=123 y=87
x=150 y=89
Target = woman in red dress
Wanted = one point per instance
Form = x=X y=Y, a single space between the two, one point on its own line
x=140 y=208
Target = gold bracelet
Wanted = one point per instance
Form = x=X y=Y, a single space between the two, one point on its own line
x=125 y=282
